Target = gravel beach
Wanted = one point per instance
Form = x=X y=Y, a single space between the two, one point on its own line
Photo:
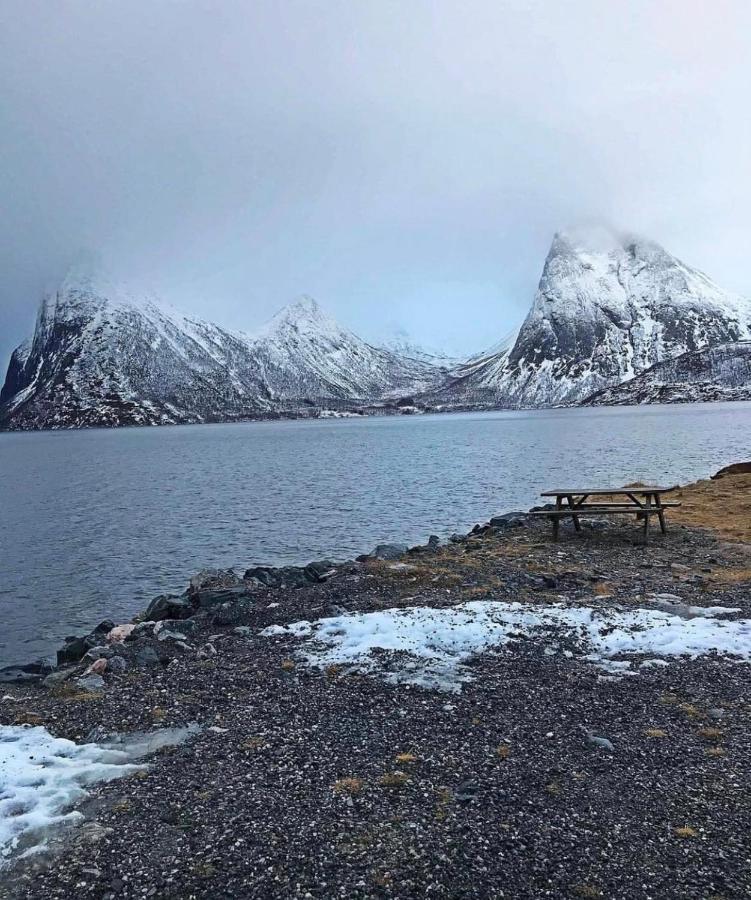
x=540 y=772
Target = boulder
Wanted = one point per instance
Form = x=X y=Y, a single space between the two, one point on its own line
x=146 y=656
x=101 y=652
x=320 y=570
x=284 y=576
x=91 y=682
x=510 y=520
x=174 y=629
x=210 y=599
x=75 y=648
x=117 y=664
x=119 y=633
x=212 y=579
x=390 y=551
x=741 y=468
x=27 y=673
x=167 y=606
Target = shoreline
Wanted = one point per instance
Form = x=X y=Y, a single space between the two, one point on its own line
x=338 y=777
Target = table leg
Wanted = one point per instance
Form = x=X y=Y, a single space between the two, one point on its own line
x=647 y=505
x=577 y=524
x=660 y=514
x=557 y=519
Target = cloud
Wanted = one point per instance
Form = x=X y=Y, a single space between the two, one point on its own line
x=404 y=163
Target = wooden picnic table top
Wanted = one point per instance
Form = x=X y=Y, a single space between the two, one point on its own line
x=602 y=492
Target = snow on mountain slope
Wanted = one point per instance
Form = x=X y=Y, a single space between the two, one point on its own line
x=607 y=307
x=720 y=372
x=101 y=355
x=302 y=352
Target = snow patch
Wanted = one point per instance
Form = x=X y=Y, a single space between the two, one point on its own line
x=433 y=645
x=42 y=777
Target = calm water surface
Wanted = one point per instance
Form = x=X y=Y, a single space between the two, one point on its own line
x=95 y=523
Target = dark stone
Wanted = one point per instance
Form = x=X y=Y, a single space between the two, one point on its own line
x=741 y=468
x=320 y=570
x=467 y=791
x=167 y=606
x=26 y=673
x=434 y=541
x=210 y=599
x=509 y=520
x=234 y=613
x=74 y=649
x=457 y=538
x=390 y=551
x=284 y=576
x=180 y=628
x=146 y=656
x=117 y=664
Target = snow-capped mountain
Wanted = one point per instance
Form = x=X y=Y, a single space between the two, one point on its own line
x=608 y=307
x=102 y=355
x=720 y=372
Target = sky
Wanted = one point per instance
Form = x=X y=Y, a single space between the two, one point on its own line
x=405 y=162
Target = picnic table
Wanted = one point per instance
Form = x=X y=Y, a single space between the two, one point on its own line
x=643 y=502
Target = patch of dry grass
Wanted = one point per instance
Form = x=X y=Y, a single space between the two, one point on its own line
x=655 y=733
x=349 y=786
x=393 y=780
x=685 y=831
x=723 y=506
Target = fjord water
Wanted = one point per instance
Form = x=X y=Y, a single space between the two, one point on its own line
x=93 y=524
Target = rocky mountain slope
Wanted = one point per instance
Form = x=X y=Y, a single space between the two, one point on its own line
x=102 y=356
x=607 y=307
x=721 y=372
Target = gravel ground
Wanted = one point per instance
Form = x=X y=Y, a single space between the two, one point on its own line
x=326 y=784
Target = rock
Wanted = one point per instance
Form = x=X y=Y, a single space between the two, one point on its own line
x=91 y=682
x=234 y=613
x=742 y=468
x=207 y=651
x=119 y=633
x=26 y=673
x=146 y=656
x=389 y=551
x=320 y=570
x=75 y=648
x=209 y=599
x=100 y=652
x=602 y=742
x=285 y=576
x=167 y=606
x=98 y=667
x=58 y=676
x=244 y=631
x=679 y=567
x=212 y=579
x=117 y=664
x=457 y=538
x=467 y=791
x=142 y=629
x=434 y=541
x=510 y=520
x=174 y=629
x=716 y=712
x=72 y=650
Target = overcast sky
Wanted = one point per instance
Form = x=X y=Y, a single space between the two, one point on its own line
x=404 y=162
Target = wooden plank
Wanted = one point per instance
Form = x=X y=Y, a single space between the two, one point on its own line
x=564 y=513
x=643 y=491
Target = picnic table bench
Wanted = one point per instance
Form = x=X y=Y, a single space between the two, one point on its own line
x=643 y=502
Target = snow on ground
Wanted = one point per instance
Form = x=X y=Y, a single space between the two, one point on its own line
x=42 y=777
x=435 y=643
